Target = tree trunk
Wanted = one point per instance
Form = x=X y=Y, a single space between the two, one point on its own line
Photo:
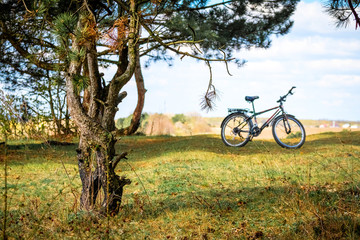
x=136 y=116
x=96 y=155
x=96 y=173
x=56 y=121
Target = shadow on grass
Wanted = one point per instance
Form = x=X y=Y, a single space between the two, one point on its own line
x=290 y=211
x=142 y=148
x=24 y=153
x=148 y=147
x=36 y=146
x=337 y=138
x=273 y=212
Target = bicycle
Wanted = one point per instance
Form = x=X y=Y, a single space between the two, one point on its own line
x=238 y=128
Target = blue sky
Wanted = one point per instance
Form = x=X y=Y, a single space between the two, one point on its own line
x=322 y=61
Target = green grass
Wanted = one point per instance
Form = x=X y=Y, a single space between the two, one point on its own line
x=194 y=188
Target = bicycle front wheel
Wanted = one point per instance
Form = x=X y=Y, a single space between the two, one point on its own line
x=235 y=130
x=288 y=133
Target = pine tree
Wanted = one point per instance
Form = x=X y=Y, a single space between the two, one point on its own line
x=76 y=38
x=344 y=12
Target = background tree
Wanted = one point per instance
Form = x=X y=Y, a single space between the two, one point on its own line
x=179 y=118
x=44 y=93
x=124 y=123
x=344 y=11
x=77 y=38
x=9 y=116
x=43 y=88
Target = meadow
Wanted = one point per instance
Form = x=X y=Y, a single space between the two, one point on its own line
x=191 y=187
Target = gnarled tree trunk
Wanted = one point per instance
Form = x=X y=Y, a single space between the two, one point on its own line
x=98 y=172
x=94 y=116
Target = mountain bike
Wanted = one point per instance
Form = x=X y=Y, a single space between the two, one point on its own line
x=241 y=126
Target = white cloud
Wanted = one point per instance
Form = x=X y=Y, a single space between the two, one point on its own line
x=303 y=48
x=311 y=18
x=333 y=103
x=342 y=95
x=339 y=81
x=268 y=66
x=333 y=66
x=160 y=81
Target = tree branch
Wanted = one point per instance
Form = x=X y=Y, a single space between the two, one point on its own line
x=160 y=41
x=95 y=79
x=357 y=19
x=205 y=7
x=118 y=159
x=14 y=42
x=121 y=97
x=120 y=80
x=140 y=86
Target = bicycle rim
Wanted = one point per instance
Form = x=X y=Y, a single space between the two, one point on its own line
x=236 y=131
x=290 y=133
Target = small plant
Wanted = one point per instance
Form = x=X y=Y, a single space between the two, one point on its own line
x=294 y=135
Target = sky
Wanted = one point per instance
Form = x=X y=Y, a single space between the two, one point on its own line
x=322 y=61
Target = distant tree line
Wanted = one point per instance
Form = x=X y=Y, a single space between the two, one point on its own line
x=19 y=120
x=163 y=124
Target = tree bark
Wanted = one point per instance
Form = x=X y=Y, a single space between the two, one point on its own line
x=96 y=155
x=96 y=173
x=136 y=116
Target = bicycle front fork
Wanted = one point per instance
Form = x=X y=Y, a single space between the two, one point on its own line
x=287 y=125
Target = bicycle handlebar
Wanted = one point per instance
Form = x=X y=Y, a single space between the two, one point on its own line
x=290 y=91
x=283 y=98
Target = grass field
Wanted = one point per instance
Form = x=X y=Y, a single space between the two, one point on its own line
x=192 y=188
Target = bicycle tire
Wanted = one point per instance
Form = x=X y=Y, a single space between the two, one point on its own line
x=292 y=139
x=231 y=134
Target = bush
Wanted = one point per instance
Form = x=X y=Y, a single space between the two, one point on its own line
x=179 y=118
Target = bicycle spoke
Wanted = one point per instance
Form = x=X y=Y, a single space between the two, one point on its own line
x=236 y=130
x=289 y=133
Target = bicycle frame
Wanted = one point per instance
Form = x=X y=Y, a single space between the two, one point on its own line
x=279 y=110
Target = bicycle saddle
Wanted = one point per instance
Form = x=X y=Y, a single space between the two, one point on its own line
x=251 y=98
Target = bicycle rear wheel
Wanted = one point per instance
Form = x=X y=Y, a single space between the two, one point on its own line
x=235 y=130
x=288 y=133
